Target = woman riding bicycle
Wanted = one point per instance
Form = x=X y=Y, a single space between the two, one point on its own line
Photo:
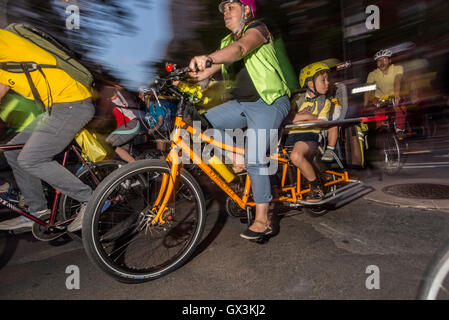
x=255 y=67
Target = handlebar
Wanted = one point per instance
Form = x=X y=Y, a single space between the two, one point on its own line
x=327 y=124
x=164 y=85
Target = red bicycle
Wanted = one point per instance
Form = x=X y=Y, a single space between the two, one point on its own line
x=53 y=225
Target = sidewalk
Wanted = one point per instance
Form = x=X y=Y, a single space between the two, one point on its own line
x=418 y=184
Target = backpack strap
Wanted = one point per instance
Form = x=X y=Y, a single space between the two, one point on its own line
x=301 y=99
x=320 y=102
x=26 y=67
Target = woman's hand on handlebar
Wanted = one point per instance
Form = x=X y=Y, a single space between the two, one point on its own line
x=202 y=68
x=200 y=63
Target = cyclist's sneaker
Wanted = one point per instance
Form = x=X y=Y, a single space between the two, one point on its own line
x=328 y=156
x=315 y=195
x=22 y=222
x=78 y=222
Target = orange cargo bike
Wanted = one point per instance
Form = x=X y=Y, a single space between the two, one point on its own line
x=146 y=218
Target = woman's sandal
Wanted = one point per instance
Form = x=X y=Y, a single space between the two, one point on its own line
x=253 y=235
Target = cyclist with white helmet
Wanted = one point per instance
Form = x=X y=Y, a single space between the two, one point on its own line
x=387 y=78
x=257 y=72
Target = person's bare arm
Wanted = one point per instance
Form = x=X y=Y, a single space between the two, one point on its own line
x=3 y=90
x=303 y=118
x=252 y=40
x=205 y=74
x=160 y=122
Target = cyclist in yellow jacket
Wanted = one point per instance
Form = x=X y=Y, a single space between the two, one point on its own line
x=71 y=109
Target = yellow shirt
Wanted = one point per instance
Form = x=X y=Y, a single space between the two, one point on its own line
x=62 y=87
x=324 y=114
x=384 y=82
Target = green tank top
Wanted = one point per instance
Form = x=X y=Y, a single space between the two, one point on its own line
x=269 y=69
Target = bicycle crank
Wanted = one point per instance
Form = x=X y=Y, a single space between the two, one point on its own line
x=49 y=233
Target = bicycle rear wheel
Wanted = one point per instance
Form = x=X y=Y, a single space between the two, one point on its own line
x=118 y=234
x=435 y=284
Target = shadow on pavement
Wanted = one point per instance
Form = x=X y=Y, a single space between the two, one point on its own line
x=8 y=246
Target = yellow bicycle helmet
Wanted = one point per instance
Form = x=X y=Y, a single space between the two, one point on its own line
x=310 y=71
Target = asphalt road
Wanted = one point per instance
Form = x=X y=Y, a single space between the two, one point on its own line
x=311 y=258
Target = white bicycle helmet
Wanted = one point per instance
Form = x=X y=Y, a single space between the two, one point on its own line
x=383 y=53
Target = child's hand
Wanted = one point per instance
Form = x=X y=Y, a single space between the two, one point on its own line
x=306 y=110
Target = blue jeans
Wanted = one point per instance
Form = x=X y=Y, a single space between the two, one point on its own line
x=253 y=115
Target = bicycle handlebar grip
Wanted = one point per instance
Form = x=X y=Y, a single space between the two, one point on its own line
x=208 y=63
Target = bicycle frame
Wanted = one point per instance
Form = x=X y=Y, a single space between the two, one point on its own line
x=51 y=222
x=169 y=180
x=296 y=192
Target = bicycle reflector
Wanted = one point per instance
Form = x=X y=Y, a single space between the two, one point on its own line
x=170 y=67
x=371 y=119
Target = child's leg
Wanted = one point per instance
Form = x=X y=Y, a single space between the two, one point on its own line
x=162 y=147
x=124 y=155
x=302 y=152
x=122 y=137
x=332 y=136
x=299 y=155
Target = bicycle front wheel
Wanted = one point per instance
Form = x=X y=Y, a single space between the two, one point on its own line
x=435 y=284
x=118 y=233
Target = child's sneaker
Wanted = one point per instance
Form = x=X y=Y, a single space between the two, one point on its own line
x=328 y=156
x=315 y=195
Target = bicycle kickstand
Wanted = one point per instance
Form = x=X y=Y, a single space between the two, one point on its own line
x=249 y=216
